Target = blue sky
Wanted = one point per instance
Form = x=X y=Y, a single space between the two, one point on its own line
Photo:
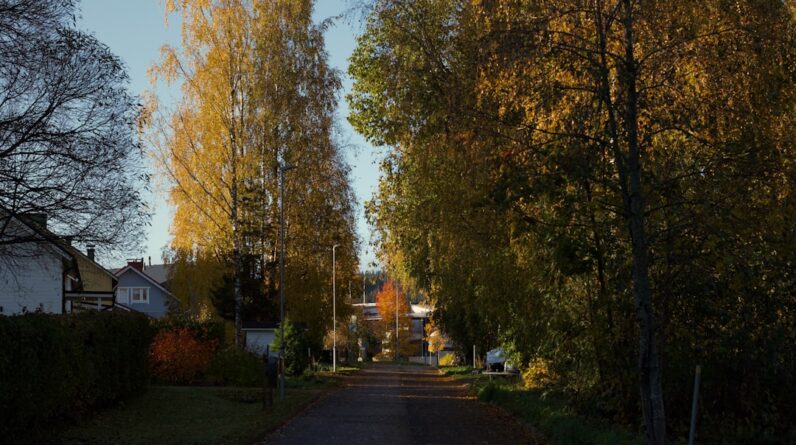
x=136 y=29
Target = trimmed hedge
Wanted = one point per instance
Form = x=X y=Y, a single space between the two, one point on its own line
x=61 y=367
x=209 y=330
x=233 y=367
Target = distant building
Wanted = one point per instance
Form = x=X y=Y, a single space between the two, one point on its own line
x=419 y=317
x=144 y=289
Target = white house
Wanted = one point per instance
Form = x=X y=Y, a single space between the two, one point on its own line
x=41 y=273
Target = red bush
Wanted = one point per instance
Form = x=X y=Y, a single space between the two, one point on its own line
x=179 y=356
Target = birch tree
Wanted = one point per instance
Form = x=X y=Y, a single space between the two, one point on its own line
x=257 y=95
x=204 y=144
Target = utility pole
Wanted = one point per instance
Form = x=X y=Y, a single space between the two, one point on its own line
x=334 y=310
x=282 y=170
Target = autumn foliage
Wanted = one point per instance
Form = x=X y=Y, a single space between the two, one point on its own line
x=180 y=355
x=603 y=188
x=389 y=297
x=220 y=150
x=434 y=337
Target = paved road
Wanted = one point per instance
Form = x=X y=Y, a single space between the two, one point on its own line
x=401 y=405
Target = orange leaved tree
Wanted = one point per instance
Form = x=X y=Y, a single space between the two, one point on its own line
x=388 y=298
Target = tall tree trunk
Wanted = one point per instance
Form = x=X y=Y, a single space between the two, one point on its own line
x=649 y=366
x=236 y=257
x=236 y=242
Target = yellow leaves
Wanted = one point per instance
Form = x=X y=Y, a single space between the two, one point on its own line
x=167 y=69
x=193 y=277
x=256 y=92
x=434 y=337
x=200 y=144
x=537 y=374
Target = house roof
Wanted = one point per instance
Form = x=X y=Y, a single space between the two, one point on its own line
x=37 y=233
x=77 y=252
x=421 y=311
x=157 y=272
x=62 y=247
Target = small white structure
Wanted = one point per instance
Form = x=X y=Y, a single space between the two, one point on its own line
x=259 y=335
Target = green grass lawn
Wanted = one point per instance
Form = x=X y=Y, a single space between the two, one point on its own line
x=457 y=371
x=325 y=369
x=554 y=418
x=168 y=415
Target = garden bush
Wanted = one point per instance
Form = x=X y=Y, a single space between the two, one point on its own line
x=61 y=367
x=181 y=356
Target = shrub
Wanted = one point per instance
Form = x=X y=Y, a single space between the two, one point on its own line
x=64 y=366
x=233 y=367
x=181 y=355
x=309 y=375
x=296 y=358
x=537 y=374
x=447 y=360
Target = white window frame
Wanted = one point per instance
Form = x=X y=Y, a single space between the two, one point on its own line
x=126 y=295
x=144 y=295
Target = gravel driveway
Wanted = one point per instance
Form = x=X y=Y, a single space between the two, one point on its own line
x=401 y=405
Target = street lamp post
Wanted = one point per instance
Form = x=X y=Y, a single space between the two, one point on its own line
x=396 y=322
x=334 y=310
x=282 y=170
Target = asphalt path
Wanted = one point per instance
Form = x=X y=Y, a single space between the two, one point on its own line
x=401 y=405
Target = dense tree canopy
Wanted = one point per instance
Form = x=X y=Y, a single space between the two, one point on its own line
x=603 y=186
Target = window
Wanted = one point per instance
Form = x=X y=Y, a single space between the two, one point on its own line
x=122 y=295
x=139 y=295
